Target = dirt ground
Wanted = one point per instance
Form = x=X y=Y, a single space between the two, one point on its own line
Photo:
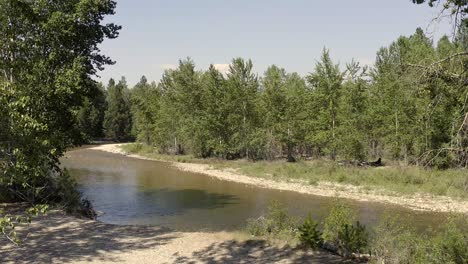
x=59 y=238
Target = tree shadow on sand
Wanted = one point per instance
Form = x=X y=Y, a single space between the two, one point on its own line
x=256 y=251
x=59 y=238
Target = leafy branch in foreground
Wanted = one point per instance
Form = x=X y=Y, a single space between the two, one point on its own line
x=9 y=222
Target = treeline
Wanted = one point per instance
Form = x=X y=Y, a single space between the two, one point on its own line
x=410 y=106
x=107 y=114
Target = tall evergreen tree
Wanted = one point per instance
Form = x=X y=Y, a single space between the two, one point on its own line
x=91 y=114
x=118 y=119
x=145 y=109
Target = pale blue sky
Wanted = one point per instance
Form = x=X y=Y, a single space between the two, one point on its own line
x=288 y=33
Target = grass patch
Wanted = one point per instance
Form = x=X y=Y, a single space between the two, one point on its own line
x=150 y=152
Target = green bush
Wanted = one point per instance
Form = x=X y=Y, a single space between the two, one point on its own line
x=257 y=226
x=393 y=242
x=276 y=223
x=133 y=148
x=340 y=216
x=66 y=195
x=450 y=245
x=309 y=235
x=352 y=238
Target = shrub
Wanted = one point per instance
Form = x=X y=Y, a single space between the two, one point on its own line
x=450 y=245
x=276 y=223
x=278 y=218
x=395 y=243
x=309 y=235
x=352 y=238
x=133 y=148
x=66 y=195
x=340 y=216
x=257 y=226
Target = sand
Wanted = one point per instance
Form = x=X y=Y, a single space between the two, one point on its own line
x=422 y=202
x=60 y=238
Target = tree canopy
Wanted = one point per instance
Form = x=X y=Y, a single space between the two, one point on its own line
x=49 y=52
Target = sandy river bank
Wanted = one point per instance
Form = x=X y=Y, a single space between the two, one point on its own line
x=416 y=202
x=60 y=238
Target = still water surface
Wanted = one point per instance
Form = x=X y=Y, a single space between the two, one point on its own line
x=142 y=192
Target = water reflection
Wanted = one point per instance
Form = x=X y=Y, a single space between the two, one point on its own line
x=132 y=191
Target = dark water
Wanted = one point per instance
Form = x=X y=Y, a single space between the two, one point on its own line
x=140 y=192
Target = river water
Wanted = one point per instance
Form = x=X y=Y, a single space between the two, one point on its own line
x=142 y=192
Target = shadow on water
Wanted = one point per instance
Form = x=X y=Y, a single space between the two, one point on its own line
x=177 y=201
x=130 y=201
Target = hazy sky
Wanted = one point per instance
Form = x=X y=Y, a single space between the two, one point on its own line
x=288 y=33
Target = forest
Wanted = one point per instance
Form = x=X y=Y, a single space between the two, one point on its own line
x=410 y=107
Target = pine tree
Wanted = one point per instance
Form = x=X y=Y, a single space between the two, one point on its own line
x=118 y=119
x=91 y=114
x=145 y=102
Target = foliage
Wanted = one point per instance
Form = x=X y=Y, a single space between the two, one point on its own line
x=118 y=119
x=450 y=245
x=49 y=53
x=456 y=8
x=409 y=107
x=309 y=235
x=352 y=238
x=391 y=241
x=144 y=101
x=91 y=115
x=341 y=216
x=394 y=242
x=326 y=82
x=8 y=223
x=276 y=223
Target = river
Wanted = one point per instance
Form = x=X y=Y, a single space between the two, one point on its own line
x=142 y=192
